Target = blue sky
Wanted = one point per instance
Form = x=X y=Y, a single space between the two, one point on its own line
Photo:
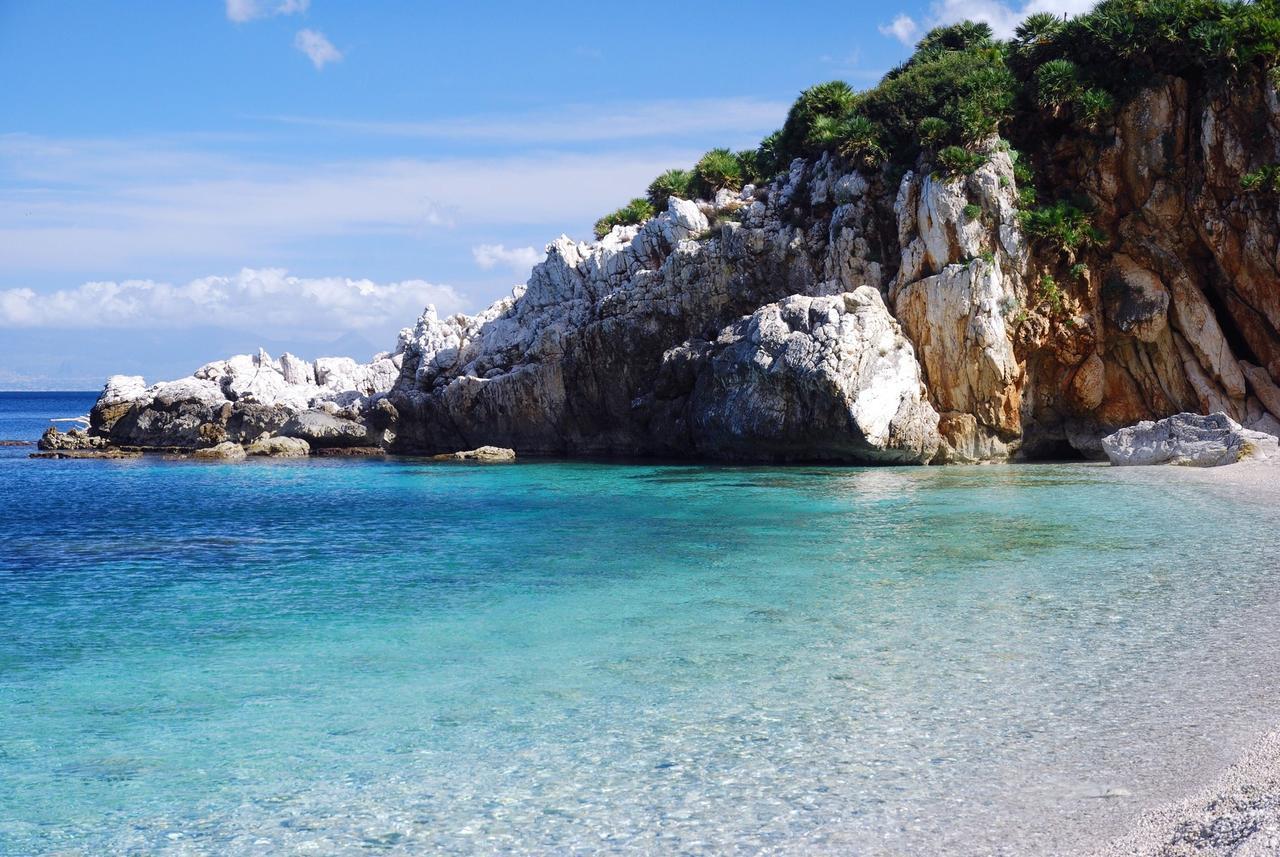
x=183 y=180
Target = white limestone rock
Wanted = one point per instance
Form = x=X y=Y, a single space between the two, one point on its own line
x=815 y=377
x=1195 y=440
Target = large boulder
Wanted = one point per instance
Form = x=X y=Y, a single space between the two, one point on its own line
x=1189 y=439
x=279 y=447
x=814 y=378
x=321 y=428
x=225 y=451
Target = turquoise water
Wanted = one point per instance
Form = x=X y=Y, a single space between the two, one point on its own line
x=402 y=657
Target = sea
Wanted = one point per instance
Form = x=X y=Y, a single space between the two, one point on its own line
x=575 y=657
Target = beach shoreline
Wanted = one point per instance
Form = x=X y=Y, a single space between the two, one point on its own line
x=1235 y=810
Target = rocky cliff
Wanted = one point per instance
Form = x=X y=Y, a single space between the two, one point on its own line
x=844 y=310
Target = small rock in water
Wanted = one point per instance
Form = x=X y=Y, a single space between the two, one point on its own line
x=483 y=453
x=52 y=440
x=279 y=447
x=225 y=451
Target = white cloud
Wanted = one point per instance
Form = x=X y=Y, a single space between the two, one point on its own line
x=241 y=11
x=1002 y=16
x=519 y=259
x=318 y=49
x=903 y=28
x=86 y=206
x=583 y=123
x=253 y=299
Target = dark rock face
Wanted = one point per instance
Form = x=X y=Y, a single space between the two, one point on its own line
x=321 y=429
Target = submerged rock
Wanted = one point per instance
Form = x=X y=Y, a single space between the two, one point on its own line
x=1189 y=439
x=488 y=454
x=107 y=452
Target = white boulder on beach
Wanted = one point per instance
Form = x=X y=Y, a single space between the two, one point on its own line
x=1195 y=440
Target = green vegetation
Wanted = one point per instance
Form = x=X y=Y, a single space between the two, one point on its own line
x=1263 y=180
x=959 y=161
x=671 y=183
x=972 y=211
x=931 y=131
x=830 y=100
x=962 y=86
x=1057 y=82
x=1079 y=271
x=854 y=138
x=1051 y=293
x=1062 y=226
x=637 y=211
x=749 y=162
x=719 y=168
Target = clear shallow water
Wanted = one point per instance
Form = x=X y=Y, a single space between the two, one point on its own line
x=327 y=657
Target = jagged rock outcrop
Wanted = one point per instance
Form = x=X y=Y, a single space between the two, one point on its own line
x=1190 y=439
x=76 y=439
x=243 y=398
x=746 y=327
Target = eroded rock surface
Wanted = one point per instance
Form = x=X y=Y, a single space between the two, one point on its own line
x=240 y=399
x=1196 y=440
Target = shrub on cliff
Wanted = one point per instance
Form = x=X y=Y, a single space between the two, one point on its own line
x=832 y=99
x=959 y=161
x=972 y=92
x=719 y=168
x=931 y=131
x=1121 y=43
x=770 y=159
x=854 y=138
x=634 y=212
x=677 y=183
x=1061 y=225
x=753 y=167
x=1262 y=180
x=961 y=36
x=1057 y=83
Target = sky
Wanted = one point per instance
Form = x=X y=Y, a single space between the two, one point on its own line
x=181 y=181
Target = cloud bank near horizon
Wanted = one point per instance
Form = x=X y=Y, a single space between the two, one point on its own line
x=253 y=299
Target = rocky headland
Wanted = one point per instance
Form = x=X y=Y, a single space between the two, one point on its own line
x=1088 y=253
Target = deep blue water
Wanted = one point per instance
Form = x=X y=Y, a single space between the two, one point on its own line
x=402 y=657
